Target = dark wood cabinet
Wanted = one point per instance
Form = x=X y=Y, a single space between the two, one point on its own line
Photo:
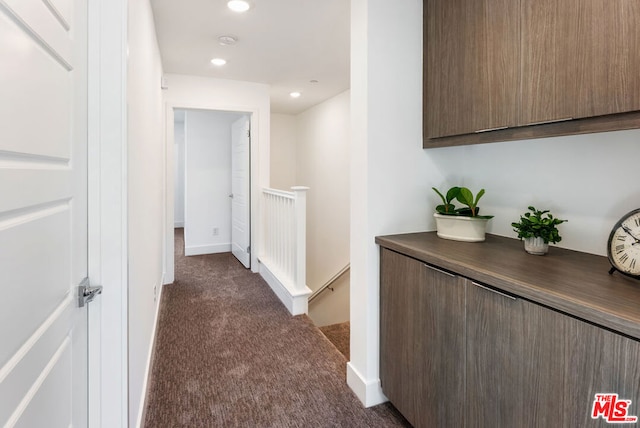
x=497 y=70
x=422 y=313
x=579 y=59
x=494 y=352
x=605 y=55
x=601 y=361
x=548 y=82
x=542 y=365
x=515 y=356
x=472 y=63
x=483 y=335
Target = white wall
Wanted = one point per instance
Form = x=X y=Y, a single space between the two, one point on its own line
x=207 y=181
x=283 y=151
x=194 y=92
x=332 y=307
x=390 y=172
x=146 y=204
x=178 y=176
x=591 y=180
x=322 y=164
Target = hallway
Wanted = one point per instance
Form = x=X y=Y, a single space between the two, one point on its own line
x=229 y=354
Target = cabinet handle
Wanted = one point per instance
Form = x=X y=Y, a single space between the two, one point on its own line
x=440 y=270
x=544 y=122
x=493 y=291
x=490 y=129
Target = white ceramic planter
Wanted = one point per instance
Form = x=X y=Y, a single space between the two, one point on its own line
x=459 y=228
x=535 y=246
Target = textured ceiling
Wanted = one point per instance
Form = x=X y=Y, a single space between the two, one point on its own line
x=283 y=43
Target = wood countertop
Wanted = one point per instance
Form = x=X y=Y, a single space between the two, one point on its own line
x=572 y=282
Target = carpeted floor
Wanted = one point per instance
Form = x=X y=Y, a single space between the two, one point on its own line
x=339 y=335
x=228 y=354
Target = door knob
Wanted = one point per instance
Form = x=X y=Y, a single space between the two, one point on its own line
x=86 y=293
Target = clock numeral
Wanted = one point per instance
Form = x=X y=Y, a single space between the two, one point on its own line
x=637 y=221
x=632 y=265
x=624 y=258
x=620 y=248
x=621 y=238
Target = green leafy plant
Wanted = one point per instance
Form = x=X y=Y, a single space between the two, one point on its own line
x=538 y=224
x=465 y=197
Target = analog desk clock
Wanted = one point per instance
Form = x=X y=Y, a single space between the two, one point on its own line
x=623 y=248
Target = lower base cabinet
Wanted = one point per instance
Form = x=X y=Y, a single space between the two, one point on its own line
x=598 y=361
x=457 y=353
x=422 y=315
x=514 y=359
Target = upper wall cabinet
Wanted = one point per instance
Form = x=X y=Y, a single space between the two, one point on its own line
x=497 y=70
x=472 y=54
x=607 y=55
x=549 y=83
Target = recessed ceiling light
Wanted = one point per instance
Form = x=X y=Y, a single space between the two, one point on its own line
x=227 y=40
x=238 y=5
x=218 y=61
x=295 y=94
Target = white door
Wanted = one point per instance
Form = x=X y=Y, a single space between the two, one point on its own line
x=240 y=191
x=43 y=213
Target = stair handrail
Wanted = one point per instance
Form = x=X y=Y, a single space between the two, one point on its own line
x=330 y=282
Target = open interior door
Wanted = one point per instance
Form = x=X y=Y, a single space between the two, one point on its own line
x=240 y=190
x=43 y=213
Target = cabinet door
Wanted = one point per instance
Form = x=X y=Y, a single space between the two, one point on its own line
x=580 y=58
x=472 y=64
x=422 y=341
x=494 y=357
x=607 y=55
x=543 y=357
x=549 y=83
x=599 y=361
x=515 y=361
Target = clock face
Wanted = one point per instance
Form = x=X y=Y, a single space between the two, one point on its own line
x=624 y=245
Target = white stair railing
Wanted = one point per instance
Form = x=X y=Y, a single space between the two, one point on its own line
x=283 y=251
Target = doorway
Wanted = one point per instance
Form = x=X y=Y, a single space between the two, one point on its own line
x=211 y=181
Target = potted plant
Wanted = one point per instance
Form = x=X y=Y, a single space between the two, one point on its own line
x=460 y=224
x=538 y=229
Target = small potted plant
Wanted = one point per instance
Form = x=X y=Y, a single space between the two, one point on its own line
x=538 y=229
x=460 y=224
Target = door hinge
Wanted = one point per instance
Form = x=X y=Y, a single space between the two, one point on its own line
x=249 y=249
x=249 y=133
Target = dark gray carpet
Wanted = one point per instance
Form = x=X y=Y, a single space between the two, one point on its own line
x=228 y=354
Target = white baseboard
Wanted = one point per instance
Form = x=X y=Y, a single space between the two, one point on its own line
x=178 y=224
x=368 y=392
x=142 y=411
x=296 y=303
x=198 y=250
